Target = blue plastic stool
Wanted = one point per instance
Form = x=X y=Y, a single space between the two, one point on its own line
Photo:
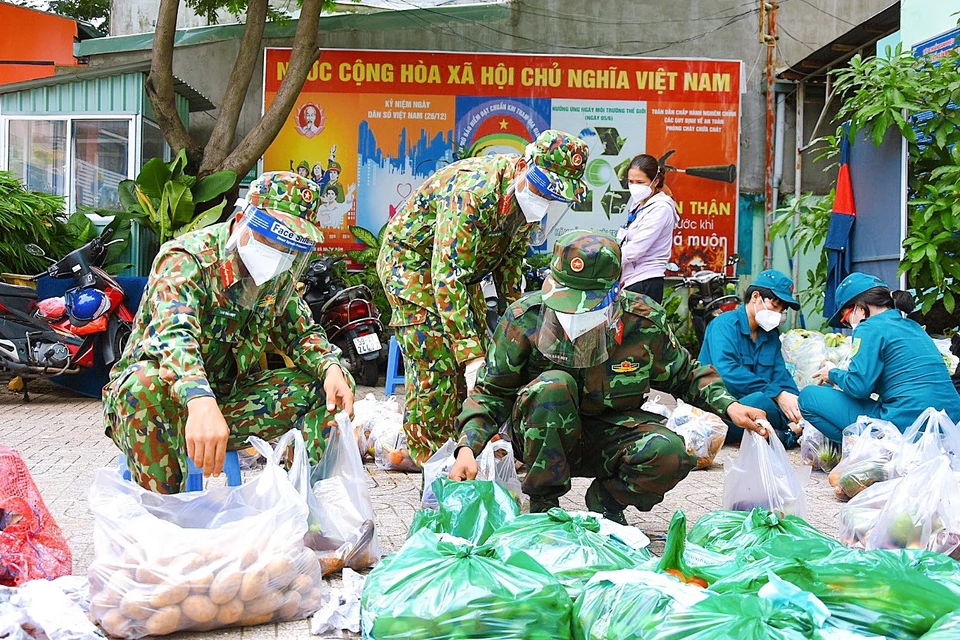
x=231 y=467
x=394 y=360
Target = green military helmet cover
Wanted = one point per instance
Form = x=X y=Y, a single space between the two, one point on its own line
x=559 y=160
x=853 y=285
x=584 y=271
x=291 y=199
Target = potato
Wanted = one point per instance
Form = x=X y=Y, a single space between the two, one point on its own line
x=186 y=563
x=282 y=571
x=302 y=583
x=254 y=583
x=291 y=606
x=225 y=586
x=199 y=608
x=147 y=574
x=270 y=602
x=248 y=558
x=199 y=581
x=164 y=621
x=230 y=612
x=311 y=602
x=255 y=620
x=306 y=561
x=115 y=623
x=167 y=594
x=213 y=554
x=136 y=605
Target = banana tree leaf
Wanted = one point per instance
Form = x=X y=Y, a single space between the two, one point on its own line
x=178 y=164
x=80 y=228
x=152 y=177
x=365 y=236
x=208 y=217
x=215 y=184
x=127 y=191
x=177 y=203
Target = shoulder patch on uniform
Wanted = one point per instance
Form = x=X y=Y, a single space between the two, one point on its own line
x=626 y=366
x=855 y=347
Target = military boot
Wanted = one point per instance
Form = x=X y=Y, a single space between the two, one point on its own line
x=542 y=504
x=599 y=501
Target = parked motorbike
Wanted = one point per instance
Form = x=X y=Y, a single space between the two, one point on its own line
x=348 y=316
x=63 y=335
x=711 y=293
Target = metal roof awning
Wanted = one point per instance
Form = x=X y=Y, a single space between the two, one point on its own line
x=196 y=100
x=816 y=65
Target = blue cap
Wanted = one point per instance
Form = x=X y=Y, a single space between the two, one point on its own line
x=779 y=284
x=852 y=286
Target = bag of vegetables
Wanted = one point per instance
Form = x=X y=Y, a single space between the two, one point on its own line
x=200 y=560
x=762 y=476
x=734 y=615
x=443 y=587
x=858 y=517
x=946 y=628
x=571 y=547
x=805 y=352
x=727 y=532
x=629 y=604
x=471 y=510
x=690 y=562
x=496 y=462
x=931 y=435
x=869 y=446
x=816 y=450
x=702 y=431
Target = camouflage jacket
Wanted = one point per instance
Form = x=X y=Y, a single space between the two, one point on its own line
x=460 y=225
x=647 y=355
x=203 y=340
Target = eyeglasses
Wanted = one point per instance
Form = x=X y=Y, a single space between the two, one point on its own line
x=845 y=318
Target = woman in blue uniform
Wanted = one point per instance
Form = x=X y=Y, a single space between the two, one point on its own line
x=892 y=357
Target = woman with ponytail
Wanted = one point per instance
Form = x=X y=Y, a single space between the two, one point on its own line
x=892 y=357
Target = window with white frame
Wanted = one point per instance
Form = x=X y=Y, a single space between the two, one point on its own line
x=100 y=162
x=37 y=154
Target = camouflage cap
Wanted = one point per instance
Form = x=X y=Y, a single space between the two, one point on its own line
x=584 y=272
x=291 y=199
x=558 y=162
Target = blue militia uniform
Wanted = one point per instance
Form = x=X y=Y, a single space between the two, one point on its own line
x=752 y=370
x=894 y=358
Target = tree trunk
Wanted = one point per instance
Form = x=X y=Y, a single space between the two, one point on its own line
x=160 y=84
x=225 y=129
x=305 y=52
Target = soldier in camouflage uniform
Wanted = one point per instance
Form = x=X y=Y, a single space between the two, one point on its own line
x=469 y=219
x=569 y=367
x=188 y=382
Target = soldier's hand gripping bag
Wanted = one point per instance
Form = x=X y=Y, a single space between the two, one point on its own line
x=496 y=462
x=442 y=587
x=571 y=547
x=762 y=476
x=201 y=560
x=341 y=505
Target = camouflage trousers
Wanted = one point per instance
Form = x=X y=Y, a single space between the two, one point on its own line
x=632 y=455
x=147 y=423
x=435 y=387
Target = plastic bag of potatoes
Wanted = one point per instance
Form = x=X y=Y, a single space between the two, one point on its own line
x=202 y=560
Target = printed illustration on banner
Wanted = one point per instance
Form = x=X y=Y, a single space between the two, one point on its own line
x=310 y=120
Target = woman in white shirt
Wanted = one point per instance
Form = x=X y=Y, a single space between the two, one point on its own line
x=646 y=240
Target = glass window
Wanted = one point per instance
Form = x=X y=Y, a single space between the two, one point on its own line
x=153 y=145
x=100 y=149
x=37 y=154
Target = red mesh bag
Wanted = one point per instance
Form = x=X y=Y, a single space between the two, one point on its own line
x=31 y=544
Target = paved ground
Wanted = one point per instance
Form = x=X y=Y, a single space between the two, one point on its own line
x=61 y=438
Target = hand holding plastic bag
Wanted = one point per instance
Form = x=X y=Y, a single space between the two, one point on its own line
x=762 y=476
x=496 y=462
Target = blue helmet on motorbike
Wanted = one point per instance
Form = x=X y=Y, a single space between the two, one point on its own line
x=85 y=305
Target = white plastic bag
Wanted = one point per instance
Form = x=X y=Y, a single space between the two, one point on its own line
x=341 y=610
x=805 y=352
x=762 y=476
x=391 y=452
x=816 y=450
x=702 y=431
x=370 y=416
x=923 y=512
x=869 y=447
x=653 y=405
x=858 y=517
x=496 y=462
x=932 y=434
x=439 y=465
x=345 y=514
x=200 y=560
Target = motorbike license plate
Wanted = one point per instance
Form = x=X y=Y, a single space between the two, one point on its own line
x=367 y=344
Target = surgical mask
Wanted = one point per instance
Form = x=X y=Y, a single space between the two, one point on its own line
x=640 y=192
x=262 y=261
x=767 y=319
x=534 y=207
x=577 y=324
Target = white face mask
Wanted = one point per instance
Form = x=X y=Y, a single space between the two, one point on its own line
x=640 y=192
x=263 y=262
x=577 y=324
x=768 y=320
x=534 y=207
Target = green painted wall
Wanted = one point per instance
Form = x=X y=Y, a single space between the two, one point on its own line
x=923 y=19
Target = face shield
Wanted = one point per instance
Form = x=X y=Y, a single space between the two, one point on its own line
x=543 y=213
x=579 y=340
x=271 y=256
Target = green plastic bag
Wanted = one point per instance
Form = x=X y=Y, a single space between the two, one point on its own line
x=570 y=547
x=439 y=588
x=692 y=560
x=870 y=592
x=946 y=628
x=739 y=616
x=936 y=566
x=629 y=604
x=471 y=510
x=728 y=532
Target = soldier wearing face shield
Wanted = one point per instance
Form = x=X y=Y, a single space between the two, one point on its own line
x=188 y=383
x=469 y=219
x=569 y=368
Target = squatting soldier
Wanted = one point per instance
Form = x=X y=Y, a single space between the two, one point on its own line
x=188 y=382
x=569 y=367
x=469 y=219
